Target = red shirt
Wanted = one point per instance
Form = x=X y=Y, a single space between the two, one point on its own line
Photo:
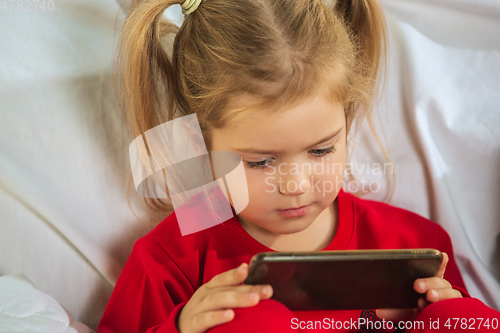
x=165 y=268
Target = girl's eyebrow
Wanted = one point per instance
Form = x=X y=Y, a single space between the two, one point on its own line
x=266 y=151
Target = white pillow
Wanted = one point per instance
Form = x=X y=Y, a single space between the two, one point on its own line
x=23 y=308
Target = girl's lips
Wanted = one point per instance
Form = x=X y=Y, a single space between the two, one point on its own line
x=295 y=212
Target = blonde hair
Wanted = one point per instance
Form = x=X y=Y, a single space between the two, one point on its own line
x=228 y=48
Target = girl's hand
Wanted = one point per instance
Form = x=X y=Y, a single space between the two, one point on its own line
x=435 y=288
x=211 y=304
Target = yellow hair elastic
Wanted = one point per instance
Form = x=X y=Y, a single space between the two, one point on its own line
x=190 y=6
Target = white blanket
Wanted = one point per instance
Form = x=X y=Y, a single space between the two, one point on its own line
x=441 y=117
x=23 y=308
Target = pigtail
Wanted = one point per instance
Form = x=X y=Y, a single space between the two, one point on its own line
x=145 y=69
x=367 y=29
x=143 y=74
x=365 y=21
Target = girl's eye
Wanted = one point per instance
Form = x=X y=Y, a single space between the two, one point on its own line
x=323 y=152
x=315 y=152
x=258 y=165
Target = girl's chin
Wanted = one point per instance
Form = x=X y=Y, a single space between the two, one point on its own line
x=282 y=226
x=292 y=227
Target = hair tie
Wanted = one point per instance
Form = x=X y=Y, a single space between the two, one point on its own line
x=190 y=6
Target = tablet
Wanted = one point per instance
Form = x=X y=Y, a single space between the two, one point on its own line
x=344 y=280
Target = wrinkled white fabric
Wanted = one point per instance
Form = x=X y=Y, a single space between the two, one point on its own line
x=23 y=308
x=64 y=218
x=439 y=117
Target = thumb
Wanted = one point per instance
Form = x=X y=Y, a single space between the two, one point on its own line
x=442 y=267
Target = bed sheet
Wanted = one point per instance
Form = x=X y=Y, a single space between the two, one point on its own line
x=23 y=308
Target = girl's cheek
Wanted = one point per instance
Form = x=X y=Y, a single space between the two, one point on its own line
x=328 y=178
x=257 y=188
x=263 y=183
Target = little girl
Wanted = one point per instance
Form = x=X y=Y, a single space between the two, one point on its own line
x=281 y=83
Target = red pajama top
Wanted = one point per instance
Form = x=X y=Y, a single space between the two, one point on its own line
x=165 y=268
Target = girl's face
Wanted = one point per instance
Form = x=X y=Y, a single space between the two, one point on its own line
x=292 y=160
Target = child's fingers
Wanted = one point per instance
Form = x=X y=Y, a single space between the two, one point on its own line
x=230 y=278
x=228 y=299
x=422 y=303
x=442 y=267
x=265 y=291
x=206 y=320
x=434 y=295
x=422 y=285
x=232 y=297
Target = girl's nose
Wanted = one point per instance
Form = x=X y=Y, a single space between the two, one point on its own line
x=292 y=188
x=294 y=184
